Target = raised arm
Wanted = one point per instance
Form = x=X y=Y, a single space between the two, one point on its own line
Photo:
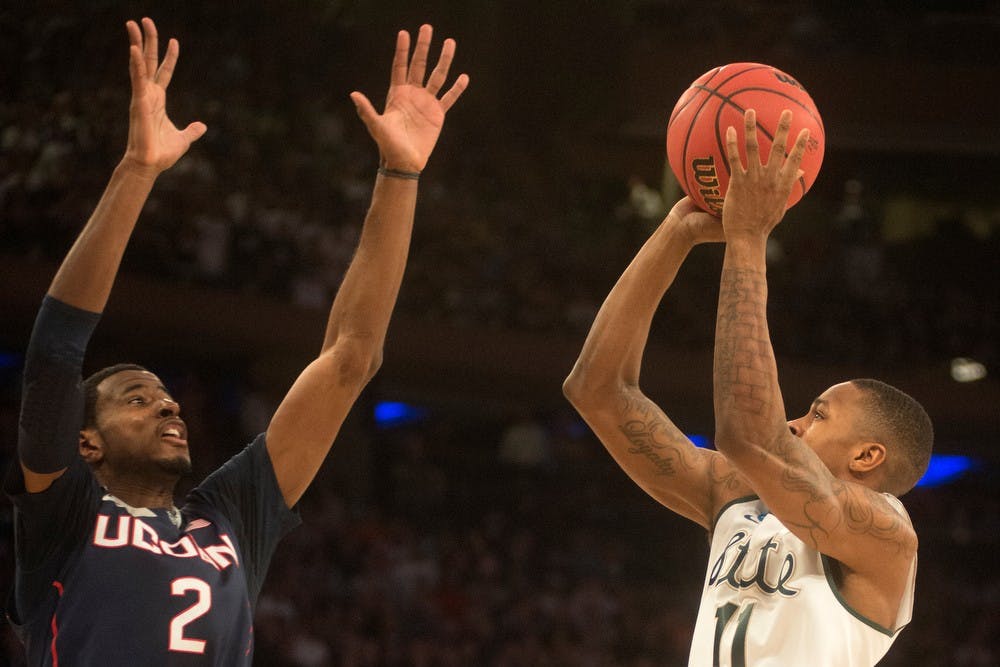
x=83 y=282
x=308 y=419
x=154 y=144
x=604 y=383
x=841 y=518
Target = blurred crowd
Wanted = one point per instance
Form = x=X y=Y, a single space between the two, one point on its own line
x=283 y=223
x=271 y=201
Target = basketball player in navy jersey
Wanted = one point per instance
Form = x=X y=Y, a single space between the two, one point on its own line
x=812 y=557
x=109 y=571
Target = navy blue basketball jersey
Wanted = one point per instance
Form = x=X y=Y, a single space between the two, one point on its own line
x=102 y=583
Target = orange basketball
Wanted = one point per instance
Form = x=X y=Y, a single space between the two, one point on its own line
x=696 y=133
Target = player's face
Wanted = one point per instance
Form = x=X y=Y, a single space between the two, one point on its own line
x=140 y=425
x=829 y=428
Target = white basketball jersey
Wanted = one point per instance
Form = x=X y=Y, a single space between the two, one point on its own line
x=770 y=600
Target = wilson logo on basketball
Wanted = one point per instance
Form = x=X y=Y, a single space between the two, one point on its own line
x=707 y=179
x=784 y=78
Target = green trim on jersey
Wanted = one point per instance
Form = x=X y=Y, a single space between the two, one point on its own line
x=734 y=501
x=827 y=570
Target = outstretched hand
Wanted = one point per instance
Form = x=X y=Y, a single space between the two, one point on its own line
x=408 y=129
x=154 y=142
x=758 y=194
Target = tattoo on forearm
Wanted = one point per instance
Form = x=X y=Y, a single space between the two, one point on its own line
x=654 y=438
x=743 y=359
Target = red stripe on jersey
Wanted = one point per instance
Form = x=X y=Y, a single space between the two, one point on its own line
x=55 y=628
x=196 y=524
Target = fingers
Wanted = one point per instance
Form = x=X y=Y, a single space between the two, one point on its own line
x=135 y=42
x=791 y=169
x=166 y=71
x=778 y=145
x=461 y=83
x=787 y=168
x=145 y=41
x=150 y=49
x=780 y=138
x=400 y=59
x=686 y=207
x=750 y=134
x=365 y=109
x=683 y=206
x=136 y=70
x=194 y=131
x=418 y=66
x=733 y=152
x=440 y=72
x=407 y=72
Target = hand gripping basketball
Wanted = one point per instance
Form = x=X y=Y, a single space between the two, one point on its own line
x=718 y=99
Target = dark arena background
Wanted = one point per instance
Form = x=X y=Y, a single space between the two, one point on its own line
x=466 y=516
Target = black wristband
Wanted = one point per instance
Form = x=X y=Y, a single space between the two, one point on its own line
x=396 y=173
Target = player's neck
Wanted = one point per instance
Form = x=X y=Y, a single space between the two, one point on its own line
x=140 y=492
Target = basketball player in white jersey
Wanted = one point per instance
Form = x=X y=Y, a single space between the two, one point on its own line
x=812 y=558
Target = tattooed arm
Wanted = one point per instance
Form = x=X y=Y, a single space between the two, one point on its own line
x=604 y=384
x=827 y=509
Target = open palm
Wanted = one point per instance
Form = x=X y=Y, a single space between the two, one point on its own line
x=154 y=142
x=410 y=125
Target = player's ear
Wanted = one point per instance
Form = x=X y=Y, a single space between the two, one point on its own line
x=867 y=457
x=91 y=446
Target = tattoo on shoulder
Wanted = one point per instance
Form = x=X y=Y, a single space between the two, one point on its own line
x=828 y=505
x=724 y=476
x=867 y=511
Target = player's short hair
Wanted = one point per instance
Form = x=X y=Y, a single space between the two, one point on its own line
x=898 y=421
x=90 y=389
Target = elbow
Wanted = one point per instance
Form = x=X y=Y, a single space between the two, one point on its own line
x=585 y=392
x=739 y=452
x=573 y=387
x=729 y=438
x=577 y=388
x=354 y=361
x=374 y=363
x=736 y=443
x=724 y=441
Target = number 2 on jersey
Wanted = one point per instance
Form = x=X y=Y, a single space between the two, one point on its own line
x=178 y=642
x=723 y=615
